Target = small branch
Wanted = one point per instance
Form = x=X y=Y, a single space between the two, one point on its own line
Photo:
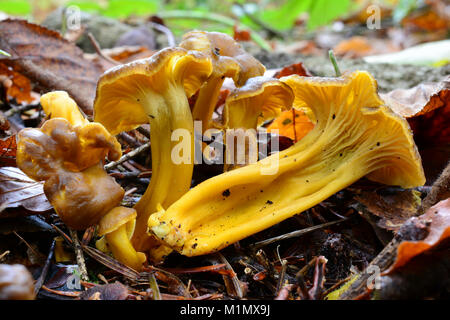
x=439 y=191
x=79 y=255
x=127 y=156
x=214 y=17
x=99 y=50
x=382 y=261
x=44 y=272
x=260 y=23
x=169 y=35
x=293 y=234
x=20 y=109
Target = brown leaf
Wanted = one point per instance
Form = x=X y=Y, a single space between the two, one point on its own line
x=427 y=20
x=241 y=35
x=20 y=88
x=44 y=56
x=296 y=68
x=127 y=54
x=358 y=47
x=394 y=208
x=427 y=109
x=438 y=219
x=113 y=291
x=16 y=190
x=8 y=148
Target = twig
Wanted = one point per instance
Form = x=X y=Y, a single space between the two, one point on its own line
x=388 y=255
x=127 y=156
x=161 y=28
x=382 y=261
x=260 y=23
x=439 y=191
x=26 y=243
x=4 y=254
x=293 y=234
x=234 y=279
x=44 y=272
x=98 y=50
x=20 y=109
x=179 y=14
x=79 y=255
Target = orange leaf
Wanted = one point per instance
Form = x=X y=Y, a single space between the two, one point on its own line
x=296 y=68
x=241 y=35
x=8 y=149
x=284 y=123
x=439 y=215
x=21 y=86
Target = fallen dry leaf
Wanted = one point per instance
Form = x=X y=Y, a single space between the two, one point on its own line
x=427 y=20
x=16 y=190
x=438 y=219
x=20 y=88
x=112 y=291
x=358 y=47
x=284 y=123
x=8 y=148
x=127 y=54
x=241 y=35
x=427 y=109
x=296 y=68
x=393 y=208
x=44 y=56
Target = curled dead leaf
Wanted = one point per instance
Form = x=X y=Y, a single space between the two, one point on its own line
x=16 y=190
x=20 y=88
x=392 y=206
x=8 y=148
x=44 y=56
x=296 y=68
x=437 y=219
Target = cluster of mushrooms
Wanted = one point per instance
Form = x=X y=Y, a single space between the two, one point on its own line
x=354 y=135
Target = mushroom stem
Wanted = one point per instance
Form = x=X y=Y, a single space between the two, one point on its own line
x=122 y=249
x=170 y=179
x=206 y=101
x=355 y=135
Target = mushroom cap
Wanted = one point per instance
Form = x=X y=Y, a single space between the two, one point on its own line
x=59 y=145
x=353 y=97
x=69 y=159
x=121 y=89
x=228 y=56
x=259 y=99
x=58 y=104
x=116 y=218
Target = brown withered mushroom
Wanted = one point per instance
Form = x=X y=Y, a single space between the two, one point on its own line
x=16 y=283
x=69 y=158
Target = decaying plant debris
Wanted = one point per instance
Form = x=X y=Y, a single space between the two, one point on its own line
x=328 y=233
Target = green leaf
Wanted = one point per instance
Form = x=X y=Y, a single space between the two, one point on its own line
x=15 y=7
x=325 y=11
x=320 y=12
